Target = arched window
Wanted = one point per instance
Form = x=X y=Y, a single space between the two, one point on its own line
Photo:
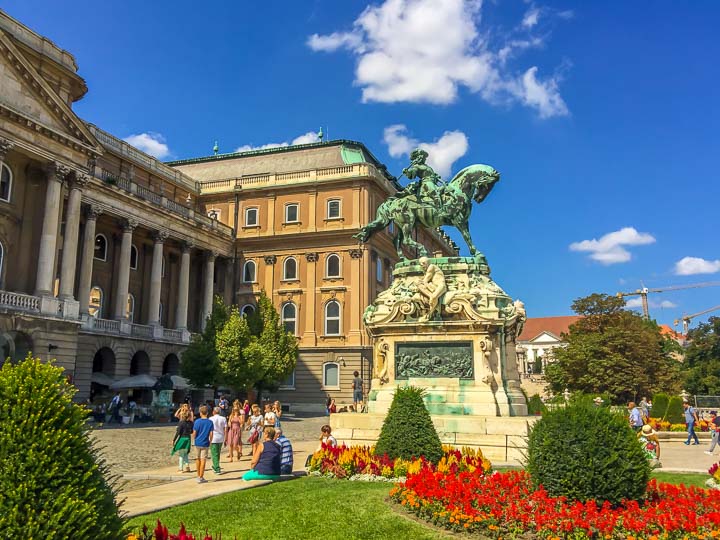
x=332 y=318
x=131 y=307
x=5 y=182
x=332 y=266
x=133 y=257
x=289 y=317
x=290 y=268
x=247 y=309
x=95 y=308
x=292 y=213
x=331 y=375
x=249 y=272
x=101 y=247
x=251 y=217
x=379 y=270
x=333 y=208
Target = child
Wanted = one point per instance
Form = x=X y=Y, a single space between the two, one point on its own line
x=202 y=433
x=326 y=437
x=270 y=416
x=181 y=441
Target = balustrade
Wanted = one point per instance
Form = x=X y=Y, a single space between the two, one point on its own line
x=19 y=301
x=141 y=330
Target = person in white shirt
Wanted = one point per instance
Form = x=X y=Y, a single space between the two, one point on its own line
x=218 y=438
x=270 y=416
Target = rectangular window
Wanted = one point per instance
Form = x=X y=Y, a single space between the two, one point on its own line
x=289 y=383
x=251 y=217
x=331 y=375
x=333 y=209
x=291 y=213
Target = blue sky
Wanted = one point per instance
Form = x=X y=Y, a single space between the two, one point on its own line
x=601 y=116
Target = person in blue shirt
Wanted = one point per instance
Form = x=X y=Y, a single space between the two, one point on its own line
x=286 y=452
x=691 y=419
x=636 y=419
x=202 y=434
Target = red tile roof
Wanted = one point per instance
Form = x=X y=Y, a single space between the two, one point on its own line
x=665 y=330
x=554 y=325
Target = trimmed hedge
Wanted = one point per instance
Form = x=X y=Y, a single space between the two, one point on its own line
x=408 y=431
x=535 y=405
x=660 y=406
x=675 y=411
x=52 y=483
x=585 y=452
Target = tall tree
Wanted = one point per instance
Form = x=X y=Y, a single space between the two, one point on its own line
x=612 y=351
x=701 y=370
x=199 y=363
x=239 y=361
x=277 y=347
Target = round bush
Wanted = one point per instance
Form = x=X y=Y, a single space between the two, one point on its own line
x=52 y=485
x=585 y=452
x=660 y=406
x=408 y=431
x=675 y=411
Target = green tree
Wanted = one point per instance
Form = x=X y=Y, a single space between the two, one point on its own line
x=701 y=370
x=200 y=363
x=239 y=361
x=277 y=347
x=53 y=484
x=612 y=351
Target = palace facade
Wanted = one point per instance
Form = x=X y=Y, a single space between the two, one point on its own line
x=109 y=258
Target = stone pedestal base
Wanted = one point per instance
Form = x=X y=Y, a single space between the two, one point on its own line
x=501 y=439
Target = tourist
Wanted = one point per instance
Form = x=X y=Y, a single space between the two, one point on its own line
x=181 y=441
x=691 y=419
x=326 y=437
x=286 y=452
x=202 y=435
x=114 y=408
x=270 y=416
x=357 y=385
x=235 y=427
x=265 y=464
x=714 y=428
x=255 y=427
x=645 y=408
x=246 y=408
x=224 y=405
x=332 y=407
x=277 y=409
x=185 y=407
x=651 y=444
x=219 y=431
x=636 y=420
x=132 y=408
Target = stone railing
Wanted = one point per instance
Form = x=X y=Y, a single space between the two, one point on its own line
x=271 y=179
x=19 y=301
x=170 y=334
x=105 y=326
x=141 y=330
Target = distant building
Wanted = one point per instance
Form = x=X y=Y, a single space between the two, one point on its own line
x=539 y=336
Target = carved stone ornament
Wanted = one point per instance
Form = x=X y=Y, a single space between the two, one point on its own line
x=129 y=225
x=93 y=211
x=212 y=255
x=270 y=259
x=5 y=146
x=356 y=253
x=311 y=257
x=382 y=347
x=58 y=171
x=160 y=236
x=80 y=181
x=186 y=247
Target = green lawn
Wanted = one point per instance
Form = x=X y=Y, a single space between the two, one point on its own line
x=689 y=479
x=312 y=508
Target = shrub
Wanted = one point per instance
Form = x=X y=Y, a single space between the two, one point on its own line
x=660 y=406
x=408 y=431
x=536 y=405
x=52 y=483
x=585 y=452
x=675 y=411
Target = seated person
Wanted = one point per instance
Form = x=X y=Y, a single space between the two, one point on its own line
x=650 y=444
x=265 y=464
x=286 y=452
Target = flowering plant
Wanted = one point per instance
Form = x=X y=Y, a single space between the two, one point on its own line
x=663 y=425
x=347 y=461
x=505 y=505
x=161 y=533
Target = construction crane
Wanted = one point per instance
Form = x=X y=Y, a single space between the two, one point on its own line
x=687 y=318
x=643 y=293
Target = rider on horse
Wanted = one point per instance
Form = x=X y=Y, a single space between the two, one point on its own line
x=425 y=190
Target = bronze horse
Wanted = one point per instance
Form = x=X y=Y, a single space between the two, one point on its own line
x=472 y=183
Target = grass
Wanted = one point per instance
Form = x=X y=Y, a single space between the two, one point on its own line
x=689 y=479
x=305 y=508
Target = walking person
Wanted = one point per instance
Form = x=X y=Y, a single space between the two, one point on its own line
x=114 y=408
x=255 y=427
x=357 y=385
x=265 y=463
x=691 y=418
x=636 y=418
x=181 y=441
x=277 y=409
x=270 y=416
x=219 y=431
x=202 y=435
x=235 y=427
x=224 y=405
x=714 y=427
x=246 y=408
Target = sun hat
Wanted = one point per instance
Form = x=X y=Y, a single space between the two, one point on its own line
x=648 y=430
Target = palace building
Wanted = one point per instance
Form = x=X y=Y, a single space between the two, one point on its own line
x=109 y=258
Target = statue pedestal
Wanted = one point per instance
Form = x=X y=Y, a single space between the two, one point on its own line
x=445 y=326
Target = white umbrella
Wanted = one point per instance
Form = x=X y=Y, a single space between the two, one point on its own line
x=101 y=378
x=134 y=381
x=180 y=383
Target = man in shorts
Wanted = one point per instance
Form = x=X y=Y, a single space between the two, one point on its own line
x=218 y=438
x=357 y=385
x=202 y=435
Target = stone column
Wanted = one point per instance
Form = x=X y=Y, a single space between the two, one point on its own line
x=309 y=336
x=183 y=288
x=156 y=278
x=229 y=293
x=123 y=282
x=208 y=275
x=70 y=243
x=357 y=302
x=56 y=174
x=86 y=261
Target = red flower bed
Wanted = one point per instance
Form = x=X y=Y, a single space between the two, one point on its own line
x=504 y=505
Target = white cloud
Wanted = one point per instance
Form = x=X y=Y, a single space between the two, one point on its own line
x=150 y=143
x=637 y=303
x=688 y=266
x=425 y=51
x=305 y=138
x=610 y=248
x=531 y=18
x=442 y=153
